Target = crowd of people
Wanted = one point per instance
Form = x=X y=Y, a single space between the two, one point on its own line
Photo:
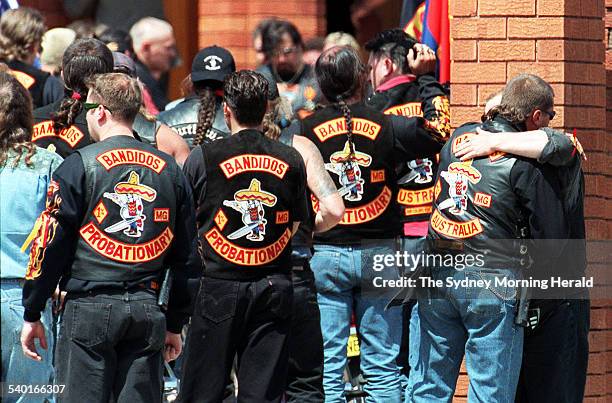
x=236 y=231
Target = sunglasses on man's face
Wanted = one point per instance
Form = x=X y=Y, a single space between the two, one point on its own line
x=551 y=115
x=93 y=105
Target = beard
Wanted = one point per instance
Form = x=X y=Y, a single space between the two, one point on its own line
x=285 y=72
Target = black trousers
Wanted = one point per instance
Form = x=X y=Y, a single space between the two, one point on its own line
x=110 y=347
x=305 y=375
x=250 y=319
x=556 y=354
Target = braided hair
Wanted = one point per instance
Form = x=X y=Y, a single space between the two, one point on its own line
x=83 y=59
x=341 y=74
x=206 y=110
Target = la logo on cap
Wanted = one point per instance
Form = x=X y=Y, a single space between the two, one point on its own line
x=212 y=62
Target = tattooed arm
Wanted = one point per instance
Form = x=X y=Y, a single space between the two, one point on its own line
x=331 y=207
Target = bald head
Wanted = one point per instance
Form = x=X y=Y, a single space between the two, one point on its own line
x=154 y=44
x=149 y=29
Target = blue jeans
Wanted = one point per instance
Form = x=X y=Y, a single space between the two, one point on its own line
x=410 y=321
x=17 y=369
x=474 y=321
x=340 y=273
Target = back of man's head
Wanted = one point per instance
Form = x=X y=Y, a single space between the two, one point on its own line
x=83 y=59
x=119 y=93
x=149 y=28
x=394 y=44
x=20 y=30
x=245 y=92
x=524 y=94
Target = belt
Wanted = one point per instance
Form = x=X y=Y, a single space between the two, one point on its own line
x=151 y=285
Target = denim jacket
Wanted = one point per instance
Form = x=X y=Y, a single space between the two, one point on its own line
x=23 y=191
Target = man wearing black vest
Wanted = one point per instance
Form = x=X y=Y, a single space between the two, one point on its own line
x=61 y=126
x=361 y=147
x=398 y=90
x=251 y=196
x=482 y=209
x=118 y=213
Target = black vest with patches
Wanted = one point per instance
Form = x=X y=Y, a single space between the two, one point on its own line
x=252 y=183
x=366 y=180
x=475 y=203
x=131 y=207
x=416 y=177
x=183 y=119
x=67 y=140
x=31 y=78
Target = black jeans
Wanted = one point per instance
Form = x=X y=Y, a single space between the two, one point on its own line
x=556 y=354
x=305 y=375
x=249 y=318
x=110 y=346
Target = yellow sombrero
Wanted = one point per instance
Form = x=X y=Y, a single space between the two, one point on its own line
x=133 y=186
x=345 y=155
x=255 y=193
x=466 y=169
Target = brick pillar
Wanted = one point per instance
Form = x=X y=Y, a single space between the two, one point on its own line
x=229 y=23
x=561 y=41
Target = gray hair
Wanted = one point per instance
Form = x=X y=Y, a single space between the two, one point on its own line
x=149 y=28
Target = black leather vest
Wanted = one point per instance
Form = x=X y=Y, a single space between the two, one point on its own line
x=183 y=118
x=67 y=140
x=474 y=202
x=252 y=182
x=146 y=129
x=416 y=177
x=131 y=208
x=31 y=78
x=366 y=180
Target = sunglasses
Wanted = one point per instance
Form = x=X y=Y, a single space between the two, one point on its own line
x=551 y=115
x=93 y=105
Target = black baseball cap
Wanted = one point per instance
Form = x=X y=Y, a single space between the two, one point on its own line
x=212 y=63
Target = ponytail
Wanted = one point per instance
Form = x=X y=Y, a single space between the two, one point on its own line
x=346 y=111
x=206 y=113
x=67 y=112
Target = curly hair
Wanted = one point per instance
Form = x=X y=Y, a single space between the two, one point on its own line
x=83 y=59
x=206 y=111
x=20 y=30
x=16 y=120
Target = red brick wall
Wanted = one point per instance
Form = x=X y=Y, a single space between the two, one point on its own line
x=53 y=11
x=229 y=23
x=560 y=40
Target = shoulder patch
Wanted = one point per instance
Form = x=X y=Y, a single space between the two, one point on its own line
x=336 y=127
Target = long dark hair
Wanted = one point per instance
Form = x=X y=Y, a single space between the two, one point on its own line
x=206 y=111
x=341 y=74
x=83 y=59
x=15 y=120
